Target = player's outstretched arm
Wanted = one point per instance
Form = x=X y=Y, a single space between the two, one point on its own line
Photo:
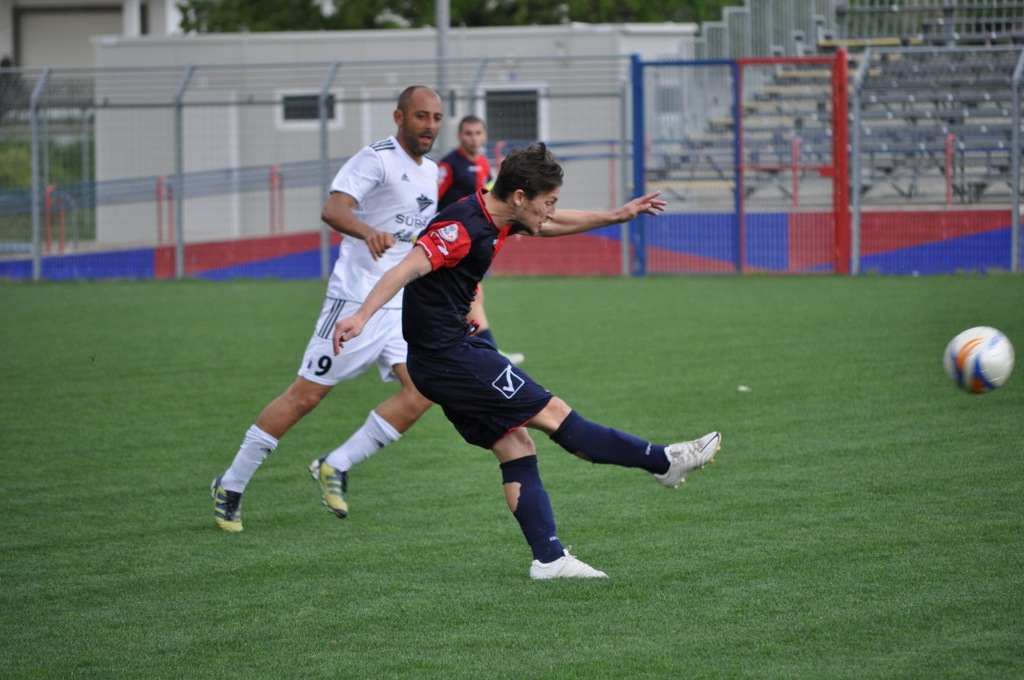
x=413 y=266
x=576 y=221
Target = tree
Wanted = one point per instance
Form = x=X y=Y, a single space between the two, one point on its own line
x=606 y=11
x=232 y=16
x=227 y=16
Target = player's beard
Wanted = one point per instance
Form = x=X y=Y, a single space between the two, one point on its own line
x=415 y=146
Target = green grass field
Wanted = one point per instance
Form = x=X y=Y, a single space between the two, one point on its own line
x=864 y=519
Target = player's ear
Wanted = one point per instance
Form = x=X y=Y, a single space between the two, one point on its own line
x=398 y=117
x=518 y=196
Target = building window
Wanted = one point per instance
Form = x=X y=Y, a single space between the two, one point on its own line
x=301 y=110
x=512 y=115
x=306 y=107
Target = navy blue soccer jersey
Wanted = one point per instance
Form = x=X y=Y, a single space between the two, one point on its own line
x=481 y=392
x=458 y=177
x=461 y=241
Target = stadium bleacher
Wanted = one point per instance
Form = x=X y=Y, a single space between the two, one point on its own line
x=940 y=114
x=932 y=83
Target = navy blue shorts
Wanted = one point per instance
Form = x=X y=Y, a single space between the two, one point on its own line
x=482 y=393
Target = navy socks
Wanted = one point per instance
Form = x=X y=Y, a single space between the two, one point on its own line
x=533 y=511
x=600 y=444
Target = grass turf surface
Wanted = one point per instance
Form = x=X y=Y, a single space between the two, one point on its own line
x=863 y=520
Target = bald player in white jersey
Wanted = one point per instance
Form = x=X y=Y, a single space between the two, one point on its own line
x=380 y=200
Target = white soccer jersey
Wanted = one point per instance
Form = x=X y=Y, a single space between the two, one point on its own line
x=393 y=194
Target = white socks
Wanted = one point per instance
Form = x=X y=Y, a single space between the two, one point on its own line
x=374 y=435
x=256 y=446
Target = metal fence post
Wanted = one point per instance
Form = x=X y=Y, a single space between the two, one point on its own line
x=737 y=159
x=442 y=12
x=80 y=220
x=325 y=170
x=840 y=161
x=474 y=83
x=179 y=174
x=37 y=194
x=855 y=168
x=1015 y=172
x=624 y=170
x=637 y=227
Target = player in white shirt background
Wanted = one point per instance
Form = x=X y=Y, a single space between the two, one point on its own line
x=380 y=200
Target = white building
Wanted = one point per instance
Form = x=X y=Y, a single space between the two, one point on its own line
x=56 y=33
x=250 y=103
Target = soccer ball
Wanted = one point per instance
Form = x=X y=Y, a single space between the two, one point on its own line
x=979 y=360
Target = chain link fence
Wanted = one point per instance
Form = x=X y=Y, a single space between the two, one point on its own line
x=221 y=170
x=121 y=159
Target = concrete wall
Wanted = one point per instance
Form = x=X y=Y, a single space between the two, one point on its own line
x=651 y=41
x=56 y=33
x=232 y=114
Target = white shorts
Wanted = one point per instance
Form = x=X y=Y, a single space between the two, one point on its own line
x=380 y=343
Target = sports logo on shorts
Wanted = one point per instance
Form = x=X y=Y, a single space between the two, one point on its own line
x=508 y=383
x=449 y=232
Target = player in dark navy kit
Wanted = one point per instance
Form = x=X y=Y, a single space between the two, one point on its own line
x=462 y=173
x=465 y=169
x=490 y=401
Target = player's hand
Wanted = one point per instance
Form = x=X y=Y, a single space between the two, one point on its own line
x=378 y=243
x=344 y=330
x=645 y=205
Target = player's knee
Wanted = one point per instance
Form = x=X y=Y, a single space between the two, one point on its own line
x=551 y=416
x=306 y=397
x=516 y=444
x=557 y=409
x=414 y=402
x=524 y=443
x=308 y=402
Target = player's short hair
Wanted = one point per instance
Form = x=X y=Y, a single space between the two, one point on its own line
x=471 y=119
x=534 y=169
x=405 y=99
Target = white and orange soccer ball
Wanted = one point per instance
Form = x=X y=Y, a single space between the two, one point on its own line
x=979 y=360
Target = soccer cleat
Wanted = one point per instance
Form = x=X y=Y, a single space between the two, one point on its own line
x=334 y=485
x=566 y=566
x=684 y=457
x=515 y=357
x=226 y=507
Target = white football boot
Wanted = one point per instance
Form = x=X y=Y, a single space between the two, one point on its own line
x=566 y=566
x=685 y=457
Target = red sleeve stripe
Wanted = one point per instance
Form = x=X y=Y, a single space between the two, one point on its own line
x=446 y=243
